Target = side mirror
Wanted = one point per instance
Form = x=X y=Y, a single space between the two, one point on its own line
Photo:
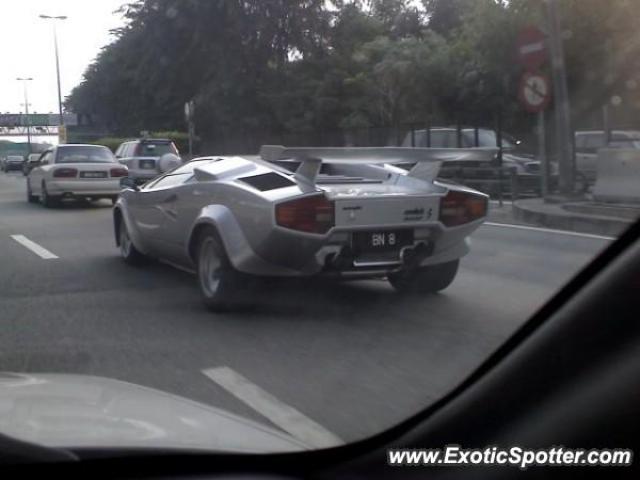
x=128 y=182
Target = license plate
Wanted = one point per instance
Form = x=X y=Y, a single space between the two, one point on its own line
x=381 y=241
x=93 y=174
x=148 y=164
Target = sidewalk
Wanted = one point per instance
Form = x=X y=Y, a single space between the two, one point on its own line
x=579 y=216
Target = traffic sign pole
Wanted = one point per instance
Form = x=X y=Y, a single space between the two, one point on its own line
x=535 y=91
x=564 y=141
x=542 y=156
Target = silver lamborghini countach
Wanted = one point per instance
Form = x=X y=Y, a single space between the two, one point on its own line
x=300 y=212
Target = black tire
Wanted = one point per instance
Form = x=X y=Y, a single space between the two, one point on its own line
x=31 y=198
x=431 y=279
x=222 y=287
x=47 y=200
x=130 y=254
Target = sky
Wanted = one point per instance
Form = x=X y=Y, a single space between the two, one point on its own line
x=27 y=47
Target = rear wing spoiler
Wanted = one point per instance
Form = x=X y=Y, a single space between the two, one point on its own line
x=427 y=161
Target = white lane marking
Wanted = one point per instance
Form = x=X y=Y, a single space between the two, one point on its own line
x=284 y=416
x=549 y=230
x=34 y=247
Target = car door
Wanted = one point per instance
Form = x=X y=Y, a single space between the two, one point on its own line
x=125 y=152
x=155 y=213
x=37 y=174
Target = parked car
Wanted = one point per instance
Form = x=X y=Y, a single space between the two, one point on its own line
x=342 y=212
x=75 y=172
x=526 y=167
x=30 y=162
x=588 y=142
x=12 y=162
x=143 y=157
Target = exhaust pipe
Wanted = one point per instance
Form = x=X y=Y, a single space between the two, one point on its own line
x=412 y=257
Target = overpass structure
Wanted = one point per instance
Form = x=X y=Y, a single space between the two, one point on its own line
x=37 y=124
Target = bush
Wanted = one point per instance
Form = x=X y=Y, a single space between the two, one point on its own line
x=111 y=142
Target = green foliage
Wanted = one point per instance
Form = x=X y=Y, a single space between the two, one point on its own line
x=275 y=66
x=111 y=142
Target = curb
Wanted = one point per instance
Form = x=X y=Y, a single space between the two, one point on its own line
x=554 y=216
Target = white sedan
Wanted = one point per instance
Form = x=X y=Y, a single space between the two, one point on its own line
x=75 y=172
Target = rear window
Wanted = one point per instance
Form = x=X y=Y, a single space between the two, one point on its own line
x=153 y=149
x=267 y=181
x=84 y=154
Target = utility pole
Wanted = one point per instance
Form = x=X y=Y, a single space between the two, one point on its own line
x=26 y=108
x=563 y=132
x=55 y=46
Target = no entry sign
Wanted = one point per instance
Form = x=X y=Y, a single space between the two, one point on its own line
x=534 y=92
x=532 y=48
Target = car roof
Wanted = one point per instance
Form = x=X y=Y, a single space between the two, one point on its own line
x=73 y=145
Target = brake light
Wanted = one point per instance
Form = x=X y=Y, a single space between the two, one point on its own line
x=65 y=173
x=457 y=208
x=118 y=172
x=307 y=214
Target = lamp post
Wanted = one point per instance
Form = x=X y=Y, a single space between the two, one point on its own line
x=26 y=108
x=55 y=45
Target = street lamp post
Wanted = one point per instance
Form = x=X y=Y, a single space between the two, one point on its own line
x=26 y=108
x=55 y=45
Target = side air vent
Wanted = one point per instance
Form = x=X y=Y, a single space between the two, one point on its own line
x=267 y=181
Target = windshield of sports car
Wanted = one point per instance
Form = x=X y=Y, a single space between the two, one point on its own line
x=82 y=154
x=323 y=216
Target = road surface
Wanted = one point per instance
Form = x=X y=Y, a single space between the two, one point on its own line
x=355 y=358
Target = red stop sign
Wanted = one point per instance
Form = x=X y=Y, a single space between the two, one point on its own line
x=532 y=48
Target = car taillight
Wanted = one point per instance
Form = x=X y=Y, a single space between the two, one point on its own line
x=65 y=173
x=313 y=214
x=118 y=172
x=457 y=208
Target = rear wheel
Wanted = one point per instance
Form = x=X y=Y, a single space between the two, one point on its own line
x=431 y=279
x=46 y=199
x=128 y=250
x=223 y=288
x=31 y=198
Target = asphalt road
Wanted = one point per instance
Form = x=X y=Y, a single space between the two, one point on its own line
x=354 y=357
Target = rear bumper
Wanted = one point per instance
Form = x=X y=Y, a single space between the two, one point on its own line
x=89 y=188
x=332 y=256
